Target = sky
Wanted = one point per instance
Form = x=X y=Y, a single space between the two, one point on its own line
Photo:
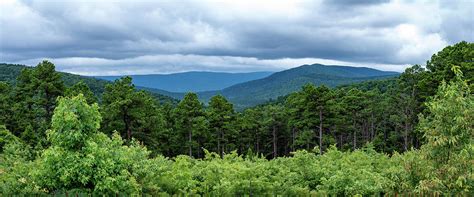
x=112 y=37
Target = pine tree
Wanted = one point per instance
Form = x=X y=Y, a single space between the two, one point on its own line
x=316 y=106
x=36 y=92
x=189 y=117
x=134 y=114
x=81 y=88
x=220 y=114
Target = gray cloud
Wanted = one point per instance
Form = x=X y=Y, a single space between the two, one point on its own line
x=160 y=37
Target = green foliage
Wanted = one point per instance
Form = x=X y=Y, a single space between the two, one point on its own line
x=190 y=123
x=16 y=166
x=221 y=116
x=82 y=158
x=81 y=88
x=35 y=96
x=74 y=121
x=449 y=130
x=6 y=137
x=130 y=112
x=5 y=103
x=358 y=119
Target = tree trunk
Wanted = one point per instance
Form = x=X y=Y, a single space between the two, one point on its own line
x=372 y=128
x=127 y=127
x=219 y=148
x=292 y=138
x=405 y=137
x=354 y=140
x=129 y=134
x=219 y=143
x=258 y=145
x=320 y=131
x=340 y=141
x=190 y=140
x=274 y=142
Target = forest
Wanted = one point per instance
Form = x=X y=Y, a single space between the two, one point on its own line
x=412 y=134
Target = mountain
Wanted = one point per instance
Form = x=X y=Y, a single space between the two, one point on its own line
x=246 y=94
x=192 y=81
x=282 y=83
x=9 y=73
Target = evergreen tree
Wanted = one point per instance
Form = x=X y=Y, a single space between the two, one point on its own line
x=220 y=114
x=353 y=102
x=409 y=103
x=132 y=113
x=439 y=67
x=6 y=101
x=316 y=106
x=48 y=86
x=81 y=88
x=35 y=95
x=189 y=119
x=275 y=123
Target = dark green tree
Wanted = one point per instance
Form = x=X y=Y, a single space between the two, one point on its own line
x=220 y=114
x=275 y=123
x=35 y=95
x=440 y=64
x=6 y=101
x=353 y=102
x=189 y=119
x=48 y=86
x=81 y=88
x=316 y=107
x=132 y=113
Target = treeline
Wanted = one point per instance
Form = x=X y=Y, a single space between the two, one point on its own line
x=53 y=137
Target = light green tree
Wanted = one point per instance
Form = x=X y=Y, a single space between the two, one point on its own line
x=82 y=158
x=449 y=131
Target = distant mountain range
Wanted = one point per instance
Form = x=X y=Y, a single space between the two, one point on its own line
x=192 y=81
x=281 y=83
x=253 y=89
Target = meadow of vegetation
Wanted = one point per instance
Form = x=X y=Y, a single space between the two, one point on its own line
x=413 y=134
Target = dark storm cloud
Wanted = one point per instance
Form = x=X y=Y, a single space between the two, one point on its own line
x=173 y=36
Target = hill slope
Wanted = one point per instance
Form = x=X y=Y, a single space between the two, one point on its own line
x=9 y=73
x=287 y=81
x=192 y=81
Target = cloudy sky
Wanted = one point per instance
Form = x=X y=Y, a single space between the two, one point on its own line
x=114 y=37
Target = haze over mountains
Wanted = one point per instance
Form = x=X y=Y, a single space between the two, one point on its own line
x=196 y=81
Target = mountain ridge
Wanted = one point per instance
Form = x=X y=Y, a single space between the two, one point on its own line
x=281 y=83
x=192 y=81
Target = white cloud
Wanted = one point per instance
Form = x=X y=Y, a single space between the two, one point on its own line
x=180 y=63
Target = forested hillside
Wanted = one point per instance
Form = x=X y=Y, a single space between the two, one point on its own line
x=10 y=72
x=411 y=135
x=191 y=81
x=259 y=91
